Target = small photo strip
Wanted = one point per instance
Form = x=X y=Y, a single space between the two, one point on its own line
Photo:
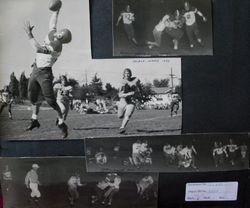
x=173 y=153
x=63 y=182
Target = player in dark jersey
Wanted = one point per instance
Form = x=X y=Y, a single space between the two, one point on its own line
x=219 y=153
x=175 y=31
x=174 y=105
x=127 y=91
x=189 y=13
x=6 y=100
x=40 y=81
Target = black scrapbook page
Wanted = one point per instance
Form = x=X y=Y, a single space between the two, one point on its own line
x=124 y=103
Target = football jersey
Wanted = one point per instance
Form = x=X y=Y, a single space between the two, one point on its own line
x=146 y=182
x=128 y=86
x=232 y=147
x=102 y=185
x=128 y=17
x=7 y=176
x=169 y=150
x=163 y=23
x=136 y=148
x=74 y=181
x=49 y=56
x=5 y=97
x=63 y=92
x=117 y=182
x=31 y=177
x=218 y=151
x=189 y=16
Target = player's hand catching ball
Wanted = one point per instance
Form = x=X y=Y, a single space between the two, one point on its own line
x=28 y=28
x=55 y=5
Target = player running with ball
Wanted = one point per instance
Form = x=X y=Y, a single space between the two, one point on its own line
x=41 y=78
x=129 y=87
x=63 y=95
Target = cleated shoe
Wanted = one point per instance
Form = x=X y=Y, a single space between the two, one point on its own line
x=33 y=124
x=57 y=121
x=64 y=128
x=122 y=130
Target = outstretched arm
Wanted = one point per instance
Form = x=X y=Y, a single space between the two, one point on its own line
x=53 y=20
x=119 y=19
x=201 y=15
x=34 y=44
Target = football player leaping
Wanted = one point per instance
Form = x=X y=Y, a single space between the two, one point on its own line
x=41 y=78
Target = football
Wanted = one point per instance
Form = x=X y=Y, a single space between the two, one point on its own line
x=55 y=5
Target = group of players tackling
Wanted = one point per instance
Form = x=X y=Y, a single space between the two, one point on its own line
x=104 y=190
x=171 y=24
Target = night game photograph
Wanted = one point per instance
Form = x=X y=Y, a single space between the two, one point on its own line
x=63 y=182
x=162 y=28
x=172 y=153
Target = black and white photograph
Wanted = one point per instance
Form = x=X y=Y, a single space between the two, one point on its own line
x=63 y=182
x=162 y=28
x=173 y=153
x=112 y=97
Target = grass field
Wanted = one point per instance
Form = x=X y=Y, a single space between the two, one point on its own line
x=143 y=122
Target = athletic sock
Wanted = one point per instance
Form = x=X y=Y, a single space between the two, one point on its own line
x=34 y=116
x=60 y=121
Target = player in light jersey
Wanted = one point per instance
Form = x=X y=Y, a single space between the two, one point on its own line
x=127 y=90
x=243 y=154
x=40 y=81
x=63 y=95
x=243 y=151
x=232 y=151
x=6 y=100
x=73 y=183
x=128 y=17
x=32 y=183
x=186 y=157
x=169 y=153
x=105 y=189
x=145 y=153
x=101 y=157
x=174 y=104
x=159 y=30
x=144 y=186
x=189 y=13
x=136 y=156
x=219 y=153
x=114 y=187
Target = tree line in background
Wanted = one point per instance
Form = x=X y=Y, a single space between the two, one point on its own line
x=92 y=90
